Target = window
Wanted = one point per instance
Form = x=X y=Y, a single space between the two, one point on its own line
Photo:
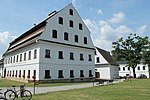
x=11 y=60
x=16 y=73
x=28 y=74
x=23 y=74
x=144 y=67
x=34 y=74
x=20 y=57
x=90 y=57
x=35 y=53
x=97 y=60
x=119 y=68
x=90 y=73
x=17 y=58
x=60 y=54
x=80 y=26
x=123 y=68
x=54 y=34
x=70 y=23
x=138 y=67
x=66 y=36
x=128 y=68
x=85 y=40
x=71 y=56
x=60 y=20
x=25 y=56
x=47 y=53
x=14 y=59
x=47 y=74
x=81 y=73
x=19 y=73
x=70 y=11
x=13 y=73
x=60 y=74
x=81 y=57
x=71 y=73
x=95 y=52
x=29 y=58
x=76 y=38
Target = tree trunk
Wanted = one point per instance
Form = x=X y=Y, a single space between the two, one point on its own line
x=134 y=75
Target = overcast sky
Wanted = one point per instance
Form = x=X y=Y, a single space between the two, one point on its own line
x=108 y=20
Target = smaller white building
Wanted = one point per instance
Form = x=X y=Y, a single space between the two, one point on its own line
x=105 y=66
x=127 y=71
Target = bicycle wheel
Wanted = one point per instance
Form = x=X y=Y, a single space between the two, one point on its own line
x=10 y=95
x=26 y=95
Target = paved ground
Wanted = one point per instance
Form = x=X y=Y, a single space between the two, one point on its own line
x=59 y=88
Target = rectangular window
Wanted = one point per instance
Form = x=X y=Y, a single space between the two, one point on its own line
x=34 y=74
x=29 y=57
x=20 y=57
x=81 y=57
x=128 y=68
x=71 y=56
x=80 y=26
x=28 y=74
x=70 y=11
x=11 y=60
x=60 y=74
x=54 y=34
x=60 y=54
x=81 y=73
x=123 y=68
x=85 y=40
x=16 y=73
x=47 y=74
x=23 y=74
x=70 y=23
x=144 y=67
x=138 y=67
x=17 y=58
x=90 y=73
x=60 y=20
x=25 y=56
x=47 y=53
x=35 y=53
x=14 y=59
x=90 y=57
x=71 y=73
x=19 y=73
x=66 y=36
x=119 y=68
x=97 y=60
x=76 y=38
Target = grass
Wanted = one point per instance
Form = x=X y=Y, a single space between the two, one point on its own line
x=138 y=89
x=9 y=83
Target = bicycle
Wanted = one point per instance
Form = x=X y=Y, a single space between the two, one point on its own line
x=2 y=97
x=12 y=94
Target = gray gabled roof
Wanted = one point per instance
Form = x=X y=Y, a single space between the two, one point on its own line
x=107 y=56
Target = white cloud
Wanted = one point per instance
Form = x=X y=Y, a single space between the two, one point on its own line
x=99 y=11
x=117 y=18
x=142 y=29
x=5 y=39
x=103 y=33
x=73 y=2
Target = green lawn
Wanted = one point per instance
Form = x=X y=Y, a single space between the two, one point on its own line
x=9 y=83
x=138 y=89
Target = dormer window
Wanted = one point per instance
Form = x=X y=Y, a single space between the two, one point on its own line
x=71 y=12
x=60 y=20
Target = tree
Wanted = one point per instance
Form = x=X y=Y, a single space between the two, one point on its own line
x=130 y=49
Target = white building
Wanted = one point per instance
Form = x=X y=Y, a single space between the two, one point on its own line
x=57 y=49
x=1 y=67
x=106 y=67
x=127 y=71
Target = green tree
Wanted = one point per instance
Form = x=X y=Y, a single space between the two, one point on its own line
x=130 y=49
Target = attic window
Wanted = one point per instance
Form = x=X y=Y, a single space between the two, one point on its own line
x=70 y=11
x=97 y=60
x=80 y=26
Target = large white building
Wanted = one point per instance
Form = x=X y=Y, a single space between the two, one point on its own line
x=106 y=68
x=57 y=49
x=127 y=71
x=1 y=68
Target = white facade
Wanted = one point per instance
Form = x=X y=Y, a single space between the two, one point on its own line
x=106 y=68
x=140 y=69
x=59 y=48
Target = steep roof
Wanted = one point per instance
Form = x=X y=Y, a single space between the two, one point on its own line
x=107 y=56
x=30 y=36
